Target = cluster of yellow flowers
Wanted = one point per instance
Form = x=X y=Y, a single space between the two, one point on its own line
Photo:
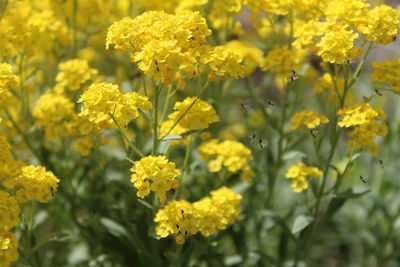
x=7 y=81
x=387 y=72
x=308 y=118
x=207 y=216
x=299 y=173
x=334 y=39
x=154 y=173
x=107 y=107
x=165 y=45
x=27 y=183
x=229 y=154
x=74 y=73
x=362 y=116
x=24 y=183
x=200 y=115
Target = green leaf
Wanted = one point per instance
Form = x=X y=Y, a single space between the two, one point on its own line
x=293 y=155
x=144 y=203
x=114 y=228
x=279 y=221
x=300 y=223
x=172 y=137
x=352 y=195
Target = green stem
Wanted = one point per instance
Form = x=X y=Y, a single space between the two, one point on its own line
x=155 y=120
x=124 y=137
x=185 y=112
x=24 y=137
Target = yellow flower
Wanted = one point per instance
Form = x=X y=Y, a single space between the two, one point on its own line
x=7 y=78
x=54 y=111
x=337 y=44
x=387 y=72
x=309 y=118
x=200 y=115
x=74 y=73
x=350 y=11
x=229 y=154
x=8 y=248
x=161 y=44
x=223 y=60
x=154 y=173
x=359 y=114
x=207 y=216
x=9 y=210
x=102 y=100
x=364 y=135
x=282 y=60
x=380 y=24
x=299 y=172
x=251 y=55
x=35 y=183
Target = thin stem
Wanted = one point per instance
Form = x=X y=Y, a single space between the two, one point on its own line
x=23 y=135
x=155 y=120
x=186 y=111
x=124 y=137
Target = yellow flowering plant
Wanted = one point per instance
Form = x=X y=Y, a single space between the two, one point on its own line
x=199 y=133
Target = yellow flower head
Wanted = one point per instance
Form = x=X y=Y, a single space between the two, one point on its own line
x=54 y=111
x=364 y=135
x=229 y=154
x=154 y=173
x=387 y=72
x=359 y=114
x=161 y=44
x=337 y=44
x=200 y=115
x=223 y=60
x=278 y=7
x=282 y=60
x=299 y=172
x=251 y=55
x=102 y=101
x=74 y=73
x=9 y=210
x=7 y=81
x=35 y=183
x=7 y=78
x=8 y=248
x=349 y=11
x=308 y=118
x=206 y=216
x=380 y=24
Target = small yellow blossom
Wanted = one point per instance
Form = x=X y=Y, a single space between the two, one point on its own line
x=387 y=72
x=359 y=114
x=54 y=111
x=380 y=24
x=229 y=154
x=154 y=173
x=337 y=44
x=103 y=100
x=223 y=60
x=161 y=44
x=8 y=248
x=364 y=135
x=299 y=172
x=9 y=210
x=35 y=183
x=200 y=115
x=251 y=55
x=207 y=216
x=74 y=73
x=308 y=118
